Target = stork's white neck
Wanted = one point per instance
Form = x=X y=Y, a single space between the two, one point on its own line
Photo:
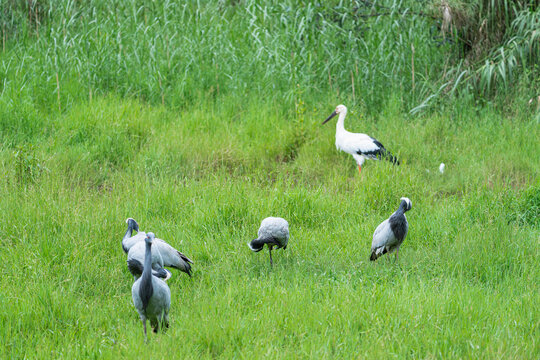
x=340 y=125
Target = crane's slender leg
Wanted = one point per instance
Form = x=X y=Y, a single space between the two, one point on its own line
x=144 y=327
x=270 y=252
x=166 y=322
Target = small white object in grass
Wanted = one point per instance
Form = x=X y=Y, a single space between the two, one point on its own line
x=441 y=168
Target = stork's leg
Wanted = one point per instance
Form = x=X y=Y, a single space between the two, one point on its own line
x=359 y=169
x=270 y=252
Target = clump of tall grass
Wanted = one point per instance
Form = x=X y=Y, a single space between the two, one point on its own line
x=520 y=50
x=175 y=53
x=496 y=41
x=27 y=164
x=526 y=209
x=479 y=26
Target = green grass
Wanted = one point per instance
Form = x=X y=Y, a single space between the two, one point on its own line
x=466 y=285
x=176 y=53
x=199 y=119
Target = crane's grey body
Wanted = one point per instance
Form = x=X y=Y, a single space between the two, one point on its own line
x=136 y=268
x=151 y=296
x=163 y=254
x=274 y=231
x=390 y=234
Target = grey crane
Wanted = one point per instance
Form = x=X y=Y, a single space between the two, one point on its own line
x=274 y=231
x=390 y=234
x=136 y=267
x=151 y=295
x=164 y=255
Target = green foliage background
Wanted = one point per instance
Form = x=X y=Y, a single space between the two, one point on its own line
x=199 y=119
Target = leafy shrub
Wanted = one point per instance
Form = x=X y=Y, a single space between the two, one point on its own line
x=28 y=167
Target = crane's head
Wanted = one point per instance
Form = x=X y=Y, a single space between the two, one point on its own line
x=150 y=237
x=132 y=224
x=408 y=204
x=340 y=109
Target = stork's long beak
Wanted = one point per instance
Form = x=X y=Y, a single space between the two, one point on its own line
x=328 y=118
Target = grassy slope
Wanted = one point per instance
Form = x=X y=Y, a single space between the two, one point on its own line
x=467 y=281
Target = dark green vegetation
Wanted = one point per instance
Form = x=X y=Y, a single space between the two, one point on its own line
x=200 y=120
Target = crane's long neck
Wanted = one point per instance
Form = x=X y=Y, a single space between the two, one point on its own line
x=146 y=289
x=125 y=240
x=402 y=208
x=147 y=272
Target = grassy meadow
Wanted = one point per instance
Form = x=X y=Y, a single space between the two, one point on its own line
x=199 y=120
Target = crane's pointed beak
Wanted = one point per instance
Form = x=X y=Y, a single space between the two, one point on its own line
x=328 y=118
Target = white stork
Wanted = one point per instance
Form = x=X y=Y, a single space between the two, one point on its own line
x=360 y=146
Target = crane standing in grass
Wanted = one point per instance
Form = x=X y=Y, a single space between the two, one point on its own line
x=164 y=255
x=390 y=234
x=151 y=296
x=274 y=231
x=360 y=146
